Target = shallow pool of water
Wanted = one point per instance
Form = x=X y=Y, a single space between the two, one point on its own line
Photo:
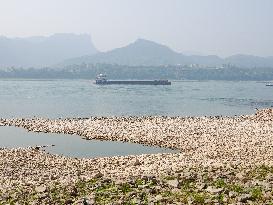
x=72 y=145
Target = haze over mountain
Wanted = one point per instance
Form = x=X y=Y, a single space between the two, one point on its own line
x=145 y=52
x=43 y=51
x=250 y=61
x=141 y=52
x=143 y=59
x=69 y=49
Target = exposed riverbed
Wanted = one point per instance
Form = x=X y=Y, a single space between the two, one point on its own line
x=224 y=160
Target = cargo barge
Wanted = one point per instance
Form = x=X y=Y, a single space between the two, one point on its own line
x=102 y=80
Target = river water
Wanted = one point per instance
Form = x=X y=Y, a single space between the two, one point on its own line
x=82 y=98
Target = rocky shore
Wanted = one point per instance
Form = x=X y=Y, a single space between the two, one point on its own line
x=224 y=160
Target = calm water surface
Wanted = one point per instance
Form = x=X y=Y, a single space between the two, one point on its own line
x=72 y=145
x=82 y=98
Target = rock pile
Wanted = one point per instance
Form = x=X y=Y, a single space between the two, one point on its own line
x=221 y=160
x=30 y=176
x=264 y=115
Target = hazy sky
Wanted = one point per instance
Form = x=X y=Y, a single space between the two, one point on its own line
x=222 y=27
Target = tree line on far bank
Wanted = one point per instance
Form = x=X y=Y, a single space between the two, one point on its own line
x=90 y=71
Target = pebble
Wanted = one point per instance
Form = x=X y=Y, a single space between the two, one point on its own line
x=214 y=190
x=245 y=197
x=137 y=162
x=174 y=183
x=40 y=189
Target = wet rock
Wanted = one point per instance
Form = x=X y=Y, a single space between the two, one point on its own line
x=37 y=148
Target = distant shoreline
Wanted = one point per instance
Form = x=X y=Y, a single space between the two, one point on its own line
x=122 y=72
x=93 y=80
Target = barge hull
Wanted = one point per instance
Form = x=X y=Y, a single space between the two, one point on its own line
x=135 y=82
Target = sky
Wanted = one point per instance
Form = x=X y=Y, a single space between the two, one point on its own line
x=209 y=27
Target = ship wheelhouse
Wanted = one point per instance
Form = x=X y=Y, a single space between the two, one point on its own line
x=101 y=79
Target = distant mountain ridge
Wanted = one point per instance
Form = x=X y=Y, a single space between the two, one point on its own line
x=148 y=53
x=141 y=52
x=41 y=51
x=249 y=61
x=61 y=50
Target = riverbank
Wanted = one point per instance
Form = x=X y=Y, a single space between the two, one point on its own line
x=221 y=159
x=31 y=176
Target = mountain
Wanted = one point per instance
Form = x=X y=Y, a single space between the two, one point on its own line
x=41 y=51
x=148 y=53
x=141 y=52
x=69 y=49
x=250 y=61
